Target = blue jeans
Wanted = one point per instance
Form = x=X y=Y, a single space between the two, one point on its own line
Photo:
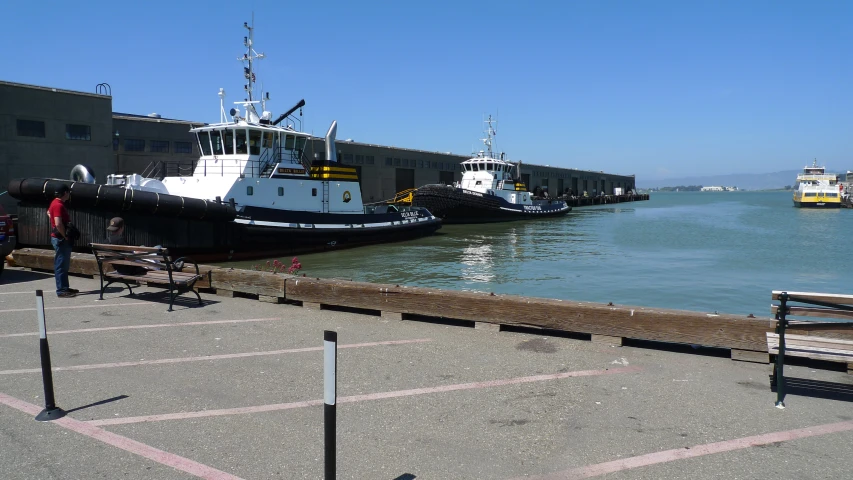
x=61 y=262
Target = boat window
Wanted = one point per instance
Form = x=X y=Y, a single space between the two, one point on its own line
x=300 y=144
x=241 y=141
x=811 y=194
x=254 y=142
x=204 y=142
x=490 y=166
x=228 y=141
x=216 y=140
x=267 y=140
x=288 y=142
x=475 y=167
x=833 y=194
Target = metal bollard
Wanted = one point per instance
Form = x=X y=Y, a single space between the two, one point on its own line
x=51 y=411
x=330 y=390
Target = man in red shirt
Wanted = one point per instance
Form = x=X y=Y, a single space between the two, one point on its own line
x=59 y=218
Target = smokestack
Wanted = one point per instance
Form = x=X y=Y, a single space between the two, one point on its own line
x=331 y=151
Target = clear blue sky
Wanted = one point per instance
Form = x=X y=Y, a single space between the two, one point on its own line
x=659 y=89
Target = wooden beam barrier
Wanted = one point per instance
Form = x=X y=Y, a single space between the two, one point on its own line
x=676 y=326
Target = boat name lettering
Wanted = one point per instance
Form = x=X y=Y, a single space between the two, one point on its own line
x=290 y=170
x=473 y=193
x=409 y=214
x=532 y=207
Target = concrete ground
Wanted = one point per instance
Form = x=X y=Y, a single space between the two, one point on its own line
x=234 y=389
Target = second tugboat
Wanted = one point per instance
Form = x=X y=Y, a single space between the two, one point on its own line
x=488 y=192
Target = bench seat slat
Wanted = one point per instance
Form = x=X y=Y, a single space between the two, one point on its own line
x=138 y=263
x=150 y=279
x=821 y=297
x=820 y=348
x=814 y=312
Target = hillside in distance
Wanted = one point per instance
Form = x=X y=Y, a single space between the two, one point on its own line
x=743 y=181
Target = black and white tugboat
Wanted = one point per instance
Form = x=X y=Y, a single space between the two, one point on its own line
x=488 y=192
x=252 y=194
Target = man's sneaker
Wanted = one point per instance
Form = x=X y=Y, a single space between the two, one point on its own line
x=66 y=294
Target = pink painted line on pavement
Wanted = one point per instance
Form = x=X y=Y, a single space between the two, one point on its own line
x=69 y=307
x=164 y=361
x=360 y=398
x=695 y=451
x=169 y=459
x=130 y=327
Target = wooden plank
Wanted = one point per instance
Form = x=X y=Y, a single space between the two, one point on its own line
x=812 y=347
x=248 y=281
x=269 y=299
x=727 y=331
x=125 y=248
x=752 y=356
x=820 y=297
x=489 y=327
x=814 y=312
x=606 y=340
x=391 y=315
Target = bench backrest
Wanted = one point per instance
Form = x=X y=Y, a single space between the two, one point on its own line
x=825 y=305
x=150 y=257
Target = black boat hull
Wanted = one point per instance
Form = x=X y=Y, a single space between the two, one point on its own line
x=209 y=231
x=455 y=205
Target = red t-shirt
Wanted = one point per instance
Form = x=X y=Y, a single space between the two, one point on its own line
x=57 y=209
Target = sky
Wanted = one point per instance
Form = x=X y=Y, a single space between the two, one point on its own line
x=657 y=89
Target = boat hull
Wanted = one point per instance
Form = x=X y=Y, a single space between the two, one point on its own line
x=252 y=233
x=456 y=205
x=817 y=204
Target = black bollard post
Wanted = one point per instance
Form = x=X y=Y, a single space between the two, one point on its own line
x=51 y=411
x=330 y=389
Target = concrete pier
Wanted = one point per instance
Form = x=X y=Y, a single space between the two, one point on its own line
x=233 y=389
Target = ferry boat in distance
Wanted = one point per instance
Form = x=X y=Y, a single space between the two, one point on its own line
x=817 y=189
x=253 y=193
x=488 y=192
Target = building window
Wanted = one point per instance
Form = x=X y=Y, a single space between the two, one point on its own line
x=369 y=159
x=405 y=162
x=160 y=146
x=420 y=164
x=359 y=159
x=115 y=144
x=183 y=147
x=78 y=132
x=134 y=145
x=30 y=128
x=348 y=158
x=388 y=161
x=396 y=162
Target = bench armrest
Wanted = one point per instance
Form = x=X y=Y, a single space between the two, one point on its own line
x=180 y=262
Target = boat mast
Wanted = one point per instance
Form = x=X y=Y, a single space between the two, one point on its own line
x=490 y=133
x=249 y=57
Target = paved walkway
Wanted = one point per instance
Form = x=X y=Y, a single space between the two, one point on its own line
x=234 y=389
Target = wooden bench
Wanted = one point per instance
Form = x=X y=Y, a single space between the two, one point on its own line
x=811 y=304
x=151 y=265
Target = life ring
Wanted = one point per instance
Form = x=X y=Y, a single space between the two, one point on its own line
x=347 y=196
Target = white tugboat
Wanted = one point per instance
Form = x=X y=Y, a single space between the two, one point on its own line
x=488 y=192
x=252 y=194
x=817 y=189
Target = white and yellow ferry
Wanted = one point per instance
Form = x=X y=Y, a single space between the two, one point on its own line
x=817 y=189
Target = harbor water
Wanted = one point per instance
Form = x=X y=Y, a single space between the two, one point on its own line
x=703 y=251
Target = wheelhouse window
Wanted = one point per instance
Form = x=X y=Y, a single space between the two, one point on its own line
x=241 y=141
x=289 y=142
x=30 y=128
x=228 y=141
x=254 y=142
x=267 y=140
x=216 y=140
x=78 y=132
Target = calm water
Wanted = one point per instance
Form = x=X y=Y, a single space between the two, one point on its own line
x=702 y=251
